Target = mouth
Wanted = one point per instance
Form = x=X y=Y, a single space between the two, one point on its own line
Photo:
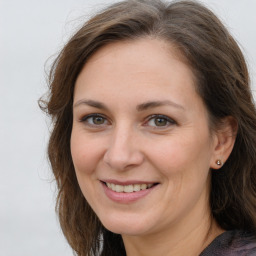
x=127 y=192
x=130 y=188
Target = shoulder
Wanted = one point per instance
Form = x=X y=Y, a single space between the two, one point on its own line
x=232 y=243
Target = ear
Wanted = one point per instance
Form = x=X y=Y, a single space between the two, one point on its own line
x=223 y=143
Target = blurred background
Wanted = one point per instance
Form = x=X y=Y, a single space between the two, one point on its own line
x=31 y=34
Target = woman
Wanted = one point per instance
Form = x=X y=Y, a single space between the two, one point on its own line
x=153 y=142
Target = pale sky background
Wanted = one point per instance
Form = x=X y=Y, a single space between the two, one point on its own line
x=30 y=32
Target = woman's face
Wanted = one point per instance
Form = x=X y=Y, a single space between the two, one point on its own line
x=140 y=142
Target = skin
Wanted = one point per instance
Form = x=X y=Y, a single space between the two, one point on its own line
x=127 y=143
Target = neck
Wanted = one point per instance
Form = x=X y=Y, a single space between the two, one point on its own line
x=184 y=239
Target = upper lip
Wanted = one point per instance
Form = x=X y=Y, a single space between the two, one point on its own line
x=127 y=182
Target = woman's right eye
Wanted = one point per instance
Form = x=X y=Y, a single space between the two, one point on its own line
x=94 y=120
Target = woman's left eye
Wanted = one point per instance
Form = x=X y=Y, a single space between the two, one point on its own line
x=160 y=121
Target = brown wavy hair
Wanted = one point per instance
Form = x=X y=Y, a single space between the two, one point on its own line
x=222 y=82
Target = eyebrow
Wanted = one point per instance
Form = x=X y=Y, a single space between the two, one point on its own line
x=154 y=104
x=91 y=103
x=140 y=107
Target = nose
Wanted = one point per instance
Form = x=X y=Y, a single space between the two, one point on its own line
x=123 y=151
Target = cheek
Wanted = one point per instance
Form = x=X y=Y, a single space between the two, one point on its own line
x=85 y=154
x=184 y=163
x=183 y=154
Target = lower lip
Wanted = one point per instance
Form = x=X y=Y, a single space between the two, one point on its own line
x=126 y=197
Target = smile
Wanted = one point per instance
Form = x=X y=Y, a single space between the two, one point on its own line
x=128 y=188
x=127 y=192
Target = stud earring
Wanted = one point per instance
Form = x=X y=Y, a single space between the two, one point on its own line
x=219 y=162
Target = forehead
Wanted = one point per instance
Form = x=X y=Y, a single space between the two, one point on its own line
x=151 y=50
x=149 y=67
x=127 y=46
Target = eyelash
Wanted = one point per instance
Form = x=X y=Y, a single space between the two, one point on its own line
x=166 y=119
x=86 y=119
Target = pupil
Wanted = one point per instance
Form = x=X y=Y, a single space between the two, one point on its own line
x=98 y=120
x=160 y=122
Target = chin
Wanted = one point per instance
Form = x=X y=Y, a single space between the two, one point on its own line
x=123 y=226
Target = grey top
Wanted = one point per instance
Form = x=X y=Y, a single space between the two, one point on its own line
x=232 y=243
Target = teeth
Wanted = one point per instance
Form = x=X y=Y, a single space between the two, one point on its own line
x=113 y=186
x=150 y=185
x=128 y=188
x=119 y=188
x=136 y=187
x=143 y=186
